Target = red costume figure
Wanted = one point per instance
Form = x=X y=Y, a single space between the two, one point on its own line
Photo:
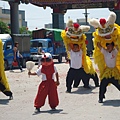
x=48 y=86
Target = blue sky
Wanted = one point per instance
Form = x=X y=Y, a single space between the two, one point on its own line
x=37 y=16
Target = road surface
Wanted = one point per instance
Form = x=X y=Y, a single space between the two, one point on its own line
x=81 y=104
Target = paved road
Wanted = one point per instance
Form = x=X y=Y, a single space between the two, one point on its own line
x=81 y=104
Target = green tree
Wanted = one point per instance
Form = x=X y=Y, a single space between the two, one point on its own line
x=4 y=28
x=24 y=30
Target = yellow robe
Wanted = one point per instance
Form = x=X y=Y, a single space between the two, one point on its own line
x=3 y=77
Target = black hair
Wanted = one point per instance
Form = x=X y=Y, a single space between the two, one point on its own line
x=76 y=45
x=112 y=43
x=16 y=43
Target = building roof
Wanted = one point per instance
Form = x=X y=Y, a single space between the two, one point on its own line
x=77 y=3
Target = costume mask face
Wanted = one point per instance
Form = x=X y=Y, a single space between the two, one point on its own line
x=106 y=31
x=74 y=31
x=105 y=27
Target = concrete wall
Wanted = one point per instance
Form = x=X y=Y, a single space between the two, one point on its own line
x=5 y=17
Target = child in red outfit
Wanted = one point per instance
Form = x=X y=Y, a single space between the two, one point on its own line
x=48 y=86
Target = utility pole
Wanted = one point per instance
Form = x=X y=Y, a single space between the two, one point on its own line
x=86 y=16
x=14 y=17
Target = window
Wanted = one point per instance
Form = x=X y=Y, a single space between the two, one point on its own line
x=39 y=43
x=8 y=45
x=49 y=44
x=34 y=44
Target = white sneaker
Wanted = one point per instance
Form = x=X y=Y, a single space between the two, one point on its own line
x=22 y=70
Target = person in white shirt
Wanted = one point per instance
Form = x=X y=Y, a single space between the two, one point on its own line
x=76 y=71
x=110 y=55
x=48 y=86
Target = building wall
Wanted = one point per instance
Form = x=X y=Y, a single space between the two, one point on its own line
x=5 y=17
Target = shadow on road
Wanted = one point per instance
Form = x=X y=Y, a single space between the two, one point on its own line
x=50 y=111
x=114 y=103
x=4 y=101
x=82 y=90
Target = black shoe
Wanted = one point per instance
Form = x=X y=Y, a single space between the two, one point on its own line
x=97 y=85
x=100 y=100
x=68 y=91
x=37 y=110
x=104 y=96
x=22 y=70
x=75 y=86
x=11 y=97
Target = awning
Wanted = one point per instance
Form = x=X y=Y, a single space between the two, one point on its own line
x=52 y=2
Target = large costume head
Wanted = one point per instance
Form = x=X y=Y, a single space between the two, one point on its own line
x=106 y=30
x=74 y=34
x=74 y=31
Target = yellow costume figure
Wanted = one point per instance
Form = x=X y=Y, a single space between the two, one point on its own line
x=106 y=52
x=4 y=86
x=74 y=34
x=106 y=32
